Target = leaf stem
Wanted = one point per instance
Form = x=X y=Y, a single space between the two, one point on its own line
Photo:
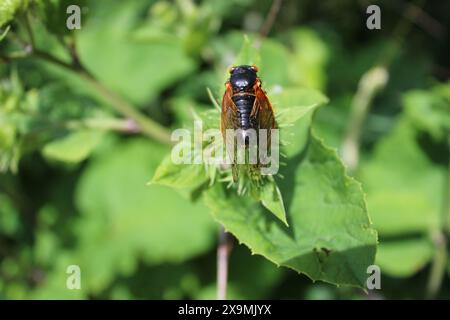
x=223 y=255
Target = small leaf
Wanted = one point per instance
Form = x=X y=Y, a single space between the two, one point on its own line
x=308 y=59
x=270 y=197
x=179 y=175
x=248 y=55
x=291 y=115
x=294 y=108
x=429 y=110
x=74 y=147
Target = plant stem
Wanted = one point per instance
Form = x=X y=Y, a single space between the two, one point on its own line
x=223 y=254
x=146 y=125
x=121 y=125
x=371 y=82
x=268 y=22
x=366 y=90
x=270 y=19
x=438 y=265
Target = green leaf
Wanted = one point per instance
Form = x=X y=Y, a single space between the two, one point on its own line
x=9 y=8
x=271 y=58
x=131 y=221
x=330 y=237
x=131 y=68
x=308 y=59
x=179 y=175
x=293 y=96
x=404 y=258
x=9 y=217
x=294 y=108
x=429 y=110
x=73 y=148
x=401 y=200
x=270 y=197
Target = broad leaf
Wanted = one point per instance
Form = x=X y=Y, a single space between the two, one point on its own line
x=131 y=221
x=403 y=188
x=329 y=237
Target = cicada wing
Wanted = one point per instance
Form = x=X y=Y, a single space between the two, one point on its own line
x=229 y=120
x=262 y=112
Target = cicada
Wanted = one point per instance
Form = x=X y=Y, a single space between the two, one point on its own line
x=245 y=107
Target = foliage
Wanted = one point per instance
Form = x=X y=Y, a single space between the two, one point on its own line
x=83 y=114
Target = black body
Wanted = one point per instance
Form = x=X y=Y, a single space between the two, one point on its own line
x=242 y=80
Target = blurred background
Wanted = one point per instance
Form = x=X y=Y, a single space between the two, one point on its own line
x=75 y=156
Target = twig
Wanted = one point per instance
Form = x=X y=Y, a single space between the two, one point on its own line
x=270 y=19
x=146 y=125
x=223 y=254
x=114 y=124
x=424 y=20
x=268 y=22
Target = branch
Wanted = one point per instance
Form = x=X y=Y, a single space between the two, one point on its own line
x=120 y=125
x=146 y=125
x=270 y=19
x=268 y=22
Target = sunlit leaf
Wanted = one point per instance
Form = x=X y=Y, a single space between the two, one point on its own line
x=74 y=147
x=329 y=236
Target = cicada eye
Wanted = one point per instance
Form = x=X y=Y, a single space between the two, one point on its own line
x=255 y=68
x=231 y=69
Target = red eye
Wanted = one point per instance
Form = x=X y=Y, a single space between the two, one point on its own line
x=231 y=69
x=255 y=68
